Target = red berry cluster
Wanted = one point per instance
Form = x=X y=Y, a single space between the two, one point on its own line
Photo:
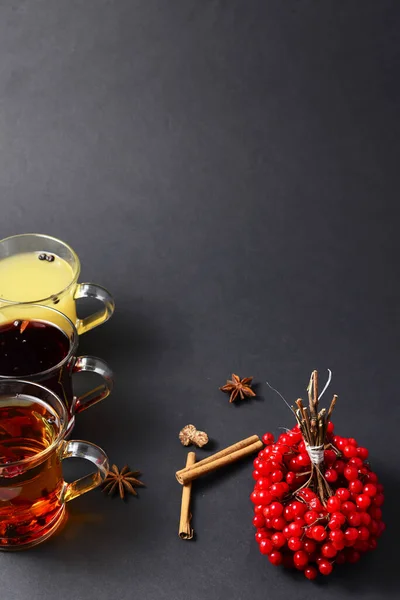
x=294 y=527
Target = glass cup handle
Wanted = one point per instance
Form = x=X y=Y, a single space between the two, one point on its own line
x=91 y=290
x=93 y=365
x=90 y=452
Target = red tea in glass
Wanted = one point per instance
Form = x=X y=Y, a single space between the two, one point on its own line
x=40 y=346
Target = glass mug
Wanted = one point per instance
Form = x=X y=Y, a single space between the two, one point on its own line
x=33 y=493
x=36 y=268
x=39 y=344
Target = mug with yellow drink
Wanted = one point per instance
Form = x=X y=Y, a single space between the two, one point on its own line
x=37 y=268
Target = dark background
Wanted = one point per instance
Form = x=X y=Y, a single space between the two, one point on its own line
x=230 y=170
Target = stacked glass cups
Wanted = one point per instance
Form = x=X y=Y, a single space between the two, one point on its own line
x=39 y=331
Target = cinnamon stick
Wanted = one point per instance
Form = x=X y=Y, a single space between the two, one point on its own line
x=185 y=529
x=242 y=444
x=224 y=457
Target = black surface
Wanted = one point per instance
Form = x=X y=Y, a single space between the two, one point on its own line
x=230 y=171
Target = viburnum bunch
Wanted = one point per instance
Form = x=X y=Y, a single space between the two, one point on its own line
x=317 y=503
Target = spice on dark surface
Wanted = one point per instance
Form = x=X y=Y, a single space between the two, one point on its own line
x=190 y=435
x=123 y=481
x=238 y=387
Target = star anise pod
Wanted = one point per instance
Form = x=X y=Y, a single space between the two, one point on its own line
x=238 y=387
x=122 y=480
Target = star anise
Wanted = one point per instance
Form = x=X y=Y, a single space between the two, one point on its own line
x=122 y=480
x=238 y=387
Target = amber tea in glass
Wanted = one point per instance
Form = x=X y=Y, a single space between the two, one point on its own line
x=33 y=493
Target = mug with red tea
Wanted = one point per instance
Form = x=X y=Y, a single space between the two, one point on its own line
x=39 y=344
x=33 y=493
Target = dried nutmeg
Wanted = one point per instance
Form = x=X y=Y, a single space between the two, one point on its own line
x=189 y=435
x=200 y=439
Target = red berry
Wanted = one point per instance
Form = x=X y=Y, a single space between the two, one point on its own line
x=339 y=466
x=298 y=508
x=295 y=544
x=275 y=557
x=325 y=567
x=373 y=527
x=268 y=439
x=362 y=453
x=278 y=540
x=266 y=546
x=315 y=504
x=294 y=465
x=262 y=483
x=351 y=473
x=290 y=478
x=352 y=441
x=338 y=518
x=307 y=494
x=336 y=536
x=343 y=494
x=350 y=535
x=353 y=556
x=254 y=497
x=354 y=519
x=276 y=476
x=363 y=501
x=275 y=490
x=300 y=559
x=330 y=428
x=331 y=475
x=328 y=550
x=258 y=521
x=361 y=546
x=311 y=517
x=333 y=504
x=311 y=572
x=379 y=499
x=288 y=513
x=355 y=486
x=275 y=509
x=337 y=539
x=308 y=533
x=350 y=451
x=365 y=518
x=279 y=523
x=295 y=529
x=329 y=457
x=363 y=533
x=348 y=507
x=264 y=468
x=376 y=513
x=259 y=509
x=262 y=535
x=264 y=497
x=340 y=443
x=356 y=462
x=318 y=533
x=370 y=490
x=372 y=477
x=309 y=546
x=303 y=460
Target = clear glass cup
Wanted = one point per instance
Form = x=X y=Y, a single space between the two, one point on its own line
x=58 y=371
x=33 y=493
x=28 y=279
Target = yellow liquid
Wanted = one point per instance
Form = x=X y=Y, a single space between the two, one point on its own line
x=25 y=278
